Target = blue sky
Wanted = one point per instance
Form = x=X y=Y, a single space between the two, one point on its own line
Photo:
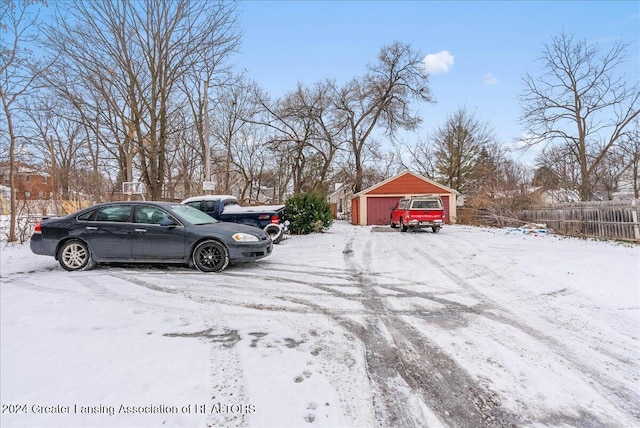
x=491 y=44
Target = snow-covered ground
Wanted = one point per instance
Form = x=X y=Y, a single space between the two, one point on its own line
x=357 y=327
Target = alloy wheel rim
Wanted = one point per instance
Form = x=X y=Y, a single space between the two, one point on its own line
x=74 y=255
x=210 y=256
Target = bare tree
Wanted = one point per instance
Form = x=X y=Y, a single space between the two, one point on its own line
x=184 y=160
x=318 y=104
x=250 y=162
x=497 y=175
x=314 y=110
x=109 y=147
x=18 y=72
x=382 y=99
x=58 y=140
x=306 y=128
x=386 y=165
x=558 y=171
x=236 y=104
x=607 y=173
x=419 y=157
x=289 y=136
x=581 y=102
x=134 y=54
x=279 y=175
x=498 y=186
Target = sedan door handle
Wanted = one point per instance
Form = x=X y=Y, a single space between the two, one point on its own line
x=91 y=228
x=140 y=230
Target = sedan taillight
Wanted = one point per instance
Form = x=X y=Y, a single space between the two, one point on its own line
x=38 y=228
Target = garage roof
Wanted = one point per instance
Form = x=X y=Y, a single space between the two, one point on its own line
x=412 y=177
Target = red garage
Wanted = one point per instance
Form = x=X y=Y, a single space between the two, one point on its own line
x=373 y=205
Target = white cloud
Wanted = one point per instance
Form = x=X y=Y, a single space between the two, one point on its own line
x=523 y=151
x=440 y=62
x=490 y=79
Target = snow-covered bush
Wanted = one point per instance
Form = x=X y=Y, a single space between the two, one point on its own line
x=308 y=213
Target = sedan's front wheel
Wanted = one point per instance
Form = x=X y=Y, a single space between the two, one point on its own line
x=211 y=256
x=75 y=255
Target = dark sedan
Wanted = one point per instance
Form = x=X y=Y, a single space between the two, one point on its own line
x=147 y=232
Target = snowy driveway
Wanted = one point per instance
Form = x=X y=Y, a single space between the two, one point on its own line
x=357 y=327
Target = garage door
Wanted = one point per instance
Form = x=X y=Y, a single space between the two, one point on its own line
x=379 y=209
x=445 y=202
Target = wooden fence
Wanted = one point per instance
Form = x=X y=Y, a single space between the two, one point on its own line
x=607 y=219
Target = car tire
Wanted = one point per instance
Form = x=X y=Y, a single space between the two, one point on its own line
x=275 y=232
x=210 y=256
x=403 y=227
x=392 y=224
x=75 y=255
x=435 y=229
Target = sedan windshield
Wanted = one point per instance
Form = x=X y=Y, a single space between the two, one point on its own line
x=192 y=215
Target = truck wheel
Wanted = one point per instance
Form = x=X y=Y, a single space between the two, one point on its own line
x=403 y=227
x=275 y=232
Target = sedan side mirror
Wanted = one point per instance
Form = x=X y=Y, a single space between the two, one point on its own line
x=167 y=222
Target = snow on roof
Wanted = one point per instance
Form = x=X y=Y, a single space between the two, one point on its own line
x=209 y=198
x=257 y=208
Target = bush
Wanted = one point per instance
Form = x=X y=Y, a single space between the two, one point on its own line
x=308 y=213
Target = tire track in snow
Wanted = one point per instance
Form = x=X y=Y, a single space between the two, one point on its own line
x=397 y=355
x=618 y=394
x=225 y=369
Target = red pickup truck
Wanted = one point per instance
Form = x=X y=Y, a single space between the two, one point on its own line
x=418 y=212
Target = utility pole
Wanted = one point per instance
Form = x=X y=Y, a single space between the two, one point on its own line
x=207 y=153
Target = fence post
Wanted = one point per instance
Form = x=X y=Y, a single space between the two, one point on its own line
x=634 y=217
x=606 y=219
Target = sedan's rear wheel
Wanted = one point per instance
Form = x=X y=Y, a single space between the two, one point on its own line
x=75 y=255
x=210 y=256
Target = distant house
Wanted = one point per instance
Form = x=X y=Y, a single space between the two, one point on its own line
x=373 y=205
x=31 y=182
x=559 y=196
x=341 y=200
x=5 y=197
x=626 y=183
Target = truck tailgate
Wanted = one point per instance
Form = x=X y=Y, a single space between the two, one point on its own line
x=426 y=215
